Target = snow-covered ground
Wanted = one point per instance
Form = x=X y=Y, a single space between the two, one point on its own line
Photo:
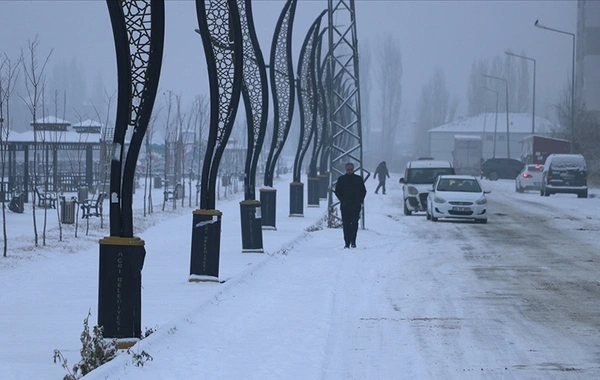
x=405 y=304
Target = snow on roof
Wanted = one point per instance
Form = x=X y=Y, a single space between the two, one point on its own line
x=88 y=123
x=50 y=120
x=518 y=123
x=69 y=136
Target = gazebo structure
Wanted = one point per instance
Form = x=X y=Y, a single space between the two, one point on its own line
x=56 y=156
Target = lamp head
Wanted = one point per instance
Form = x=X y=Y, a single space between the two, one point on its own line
x=536 y=22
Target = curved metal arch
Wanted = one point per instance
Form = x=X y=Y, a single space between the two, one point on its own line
x=319 y=99
x=138 y=30
x=282 y=86
x=306 y=94
x=219 y=27
x=255 y=95
x=326 y=151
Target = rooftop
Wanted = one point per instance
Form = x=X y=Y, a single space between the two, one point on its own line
x=518 y=123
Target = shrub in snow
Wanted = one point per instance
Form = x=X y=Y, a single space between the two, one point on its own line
x=95 y=351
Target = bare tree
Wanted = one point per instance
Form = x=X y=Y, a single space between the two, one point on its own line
x=432 y=110
x=149 y=137
x=516 y=71
x=366 y=88
x=389 y=78
x=106 y=138
x=34 y=86
x=169 y=135
x=9 y=72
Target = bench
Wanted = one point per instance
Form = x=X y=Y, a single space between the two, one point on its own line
x=171 y=195
x=46 y=199
x=92 y=207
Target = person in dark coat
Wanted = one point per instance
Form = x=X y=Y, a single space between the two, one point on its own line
x=350 y=190
x=382 y=173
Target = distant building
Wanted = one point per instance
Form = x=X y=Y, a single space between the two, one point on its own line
x=587 y=57
x=494 y=136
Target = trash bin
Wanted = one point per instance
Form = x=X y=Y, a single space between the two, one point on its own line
x=157 y=182
x=67 y=210
x=82 y=193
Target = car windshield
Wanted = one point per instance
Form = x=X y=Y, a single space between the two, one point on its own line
x=426 y=175
x=460 y=185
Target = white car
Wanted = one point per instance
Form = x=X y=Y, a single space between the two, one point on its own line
x=458 y=197
x=530 y=178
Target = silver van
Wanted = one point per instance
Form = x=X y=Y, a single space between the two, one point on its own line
x=565 y=173
x=418 y=177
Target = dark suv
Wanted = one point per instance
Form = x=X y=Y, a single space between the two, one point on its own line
x=501 y=168
x=565 y=173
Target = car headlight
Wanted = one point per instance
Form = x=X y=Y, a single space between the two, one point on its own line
x=437 y=199
x=481 y=201
x=413 y=190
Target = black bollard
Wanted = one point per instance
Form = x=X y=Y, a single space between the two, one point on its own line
x=313 y=192
x=268 y=206
x=206 y=246
x=120 y=289
x=297 y=199
x=323 y=185
x=250 y=217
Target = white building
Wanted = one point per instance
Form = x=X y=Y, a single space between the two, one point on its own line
x=497 y=139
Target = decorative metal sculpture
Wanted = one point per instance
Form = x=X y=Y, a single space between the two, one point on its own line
x=320 y=107
x=324 y=114
x=306 y=94
x=221 y=34
x=219 y=27
x=255 y=95
x=344 y=110
x=318 y=127
x=138 y=28
x=282 y=86
x=256 y=103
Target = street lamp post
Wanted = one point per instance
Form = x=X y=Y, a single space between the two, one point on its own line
x=507 y=125
x=533 y=107
x=496 y=122
x=538 y=25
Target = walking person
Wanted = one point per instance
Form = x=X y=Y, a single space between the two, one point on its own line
x=382 y=173
x=350 y=190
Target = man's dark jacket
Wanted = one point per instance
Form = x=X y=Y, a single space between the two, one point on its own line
x=350 y=190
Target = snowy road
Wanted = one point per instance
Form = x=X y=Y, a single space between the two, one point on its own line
x=516 y=298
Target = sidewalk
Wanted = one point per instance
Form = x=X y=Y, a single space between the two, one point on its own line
x=46 y=299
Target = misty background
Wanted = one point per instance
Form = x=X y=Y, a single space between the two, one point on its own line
x=420 y=61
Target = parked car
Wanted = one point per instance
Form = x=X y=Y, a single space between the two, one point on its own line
x=459 y=197
x=418 y=177
x=501 y=168
x=530 y=178
x=565 y=173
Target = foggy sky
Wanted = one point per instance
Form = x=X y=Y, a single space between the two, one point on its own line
x=448 y=34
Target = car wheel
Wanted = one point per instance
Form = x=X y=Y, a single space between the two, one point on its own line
x=493 y=176
x=428 y=215
x=433 y=218
x=518 y=188
x=546 y=193
x=582 y=195
x=407 y=212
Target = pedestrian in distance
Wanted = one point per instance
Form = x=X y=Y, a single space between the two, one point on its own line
x=382 y=173
x=350 y=190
